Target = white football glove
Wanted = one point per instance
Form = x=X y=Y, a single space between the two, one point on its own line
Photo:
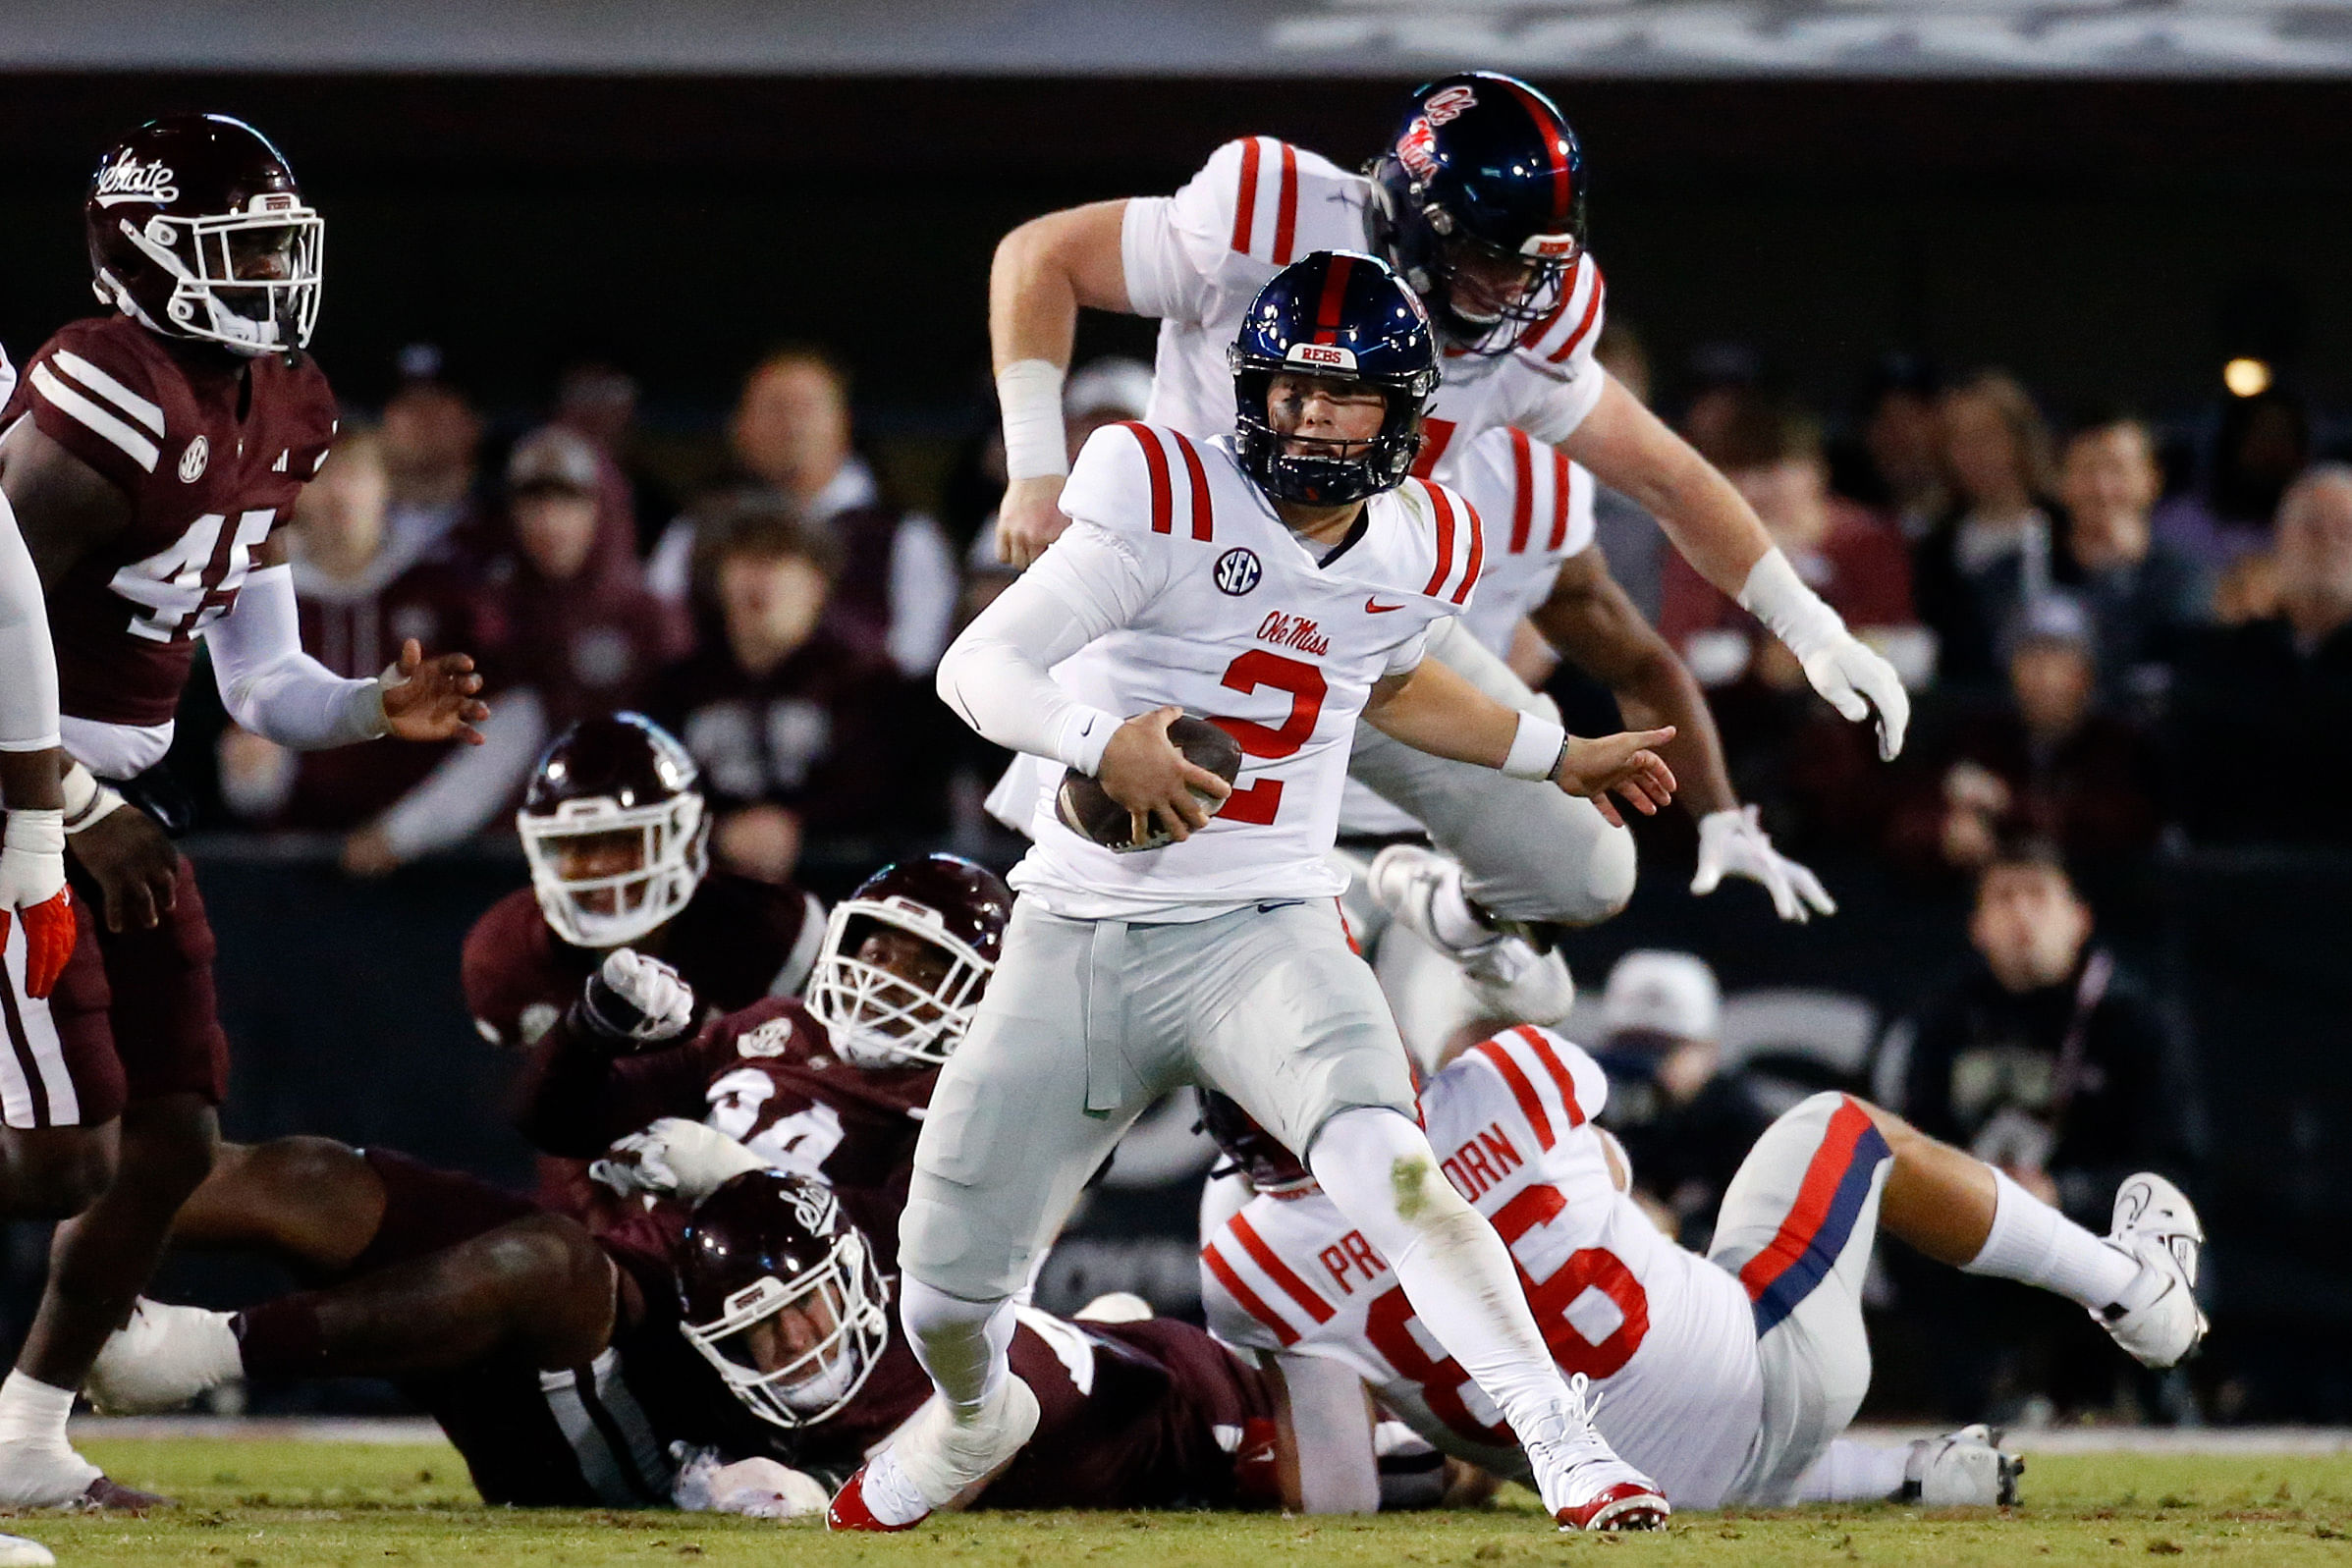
x=1734 y=843
x=33 y=887
x=1858 y=683
x=674 y=1157
x=637 y=999
x=756 y=1488
x=1850 y=676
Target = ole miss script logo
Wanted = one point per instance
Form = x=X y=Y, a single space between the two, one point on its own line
x=1237 y=571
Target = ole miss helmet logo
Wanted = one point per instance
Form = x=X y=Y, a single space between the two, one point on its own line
x=1417 y=148
x=1448 y=104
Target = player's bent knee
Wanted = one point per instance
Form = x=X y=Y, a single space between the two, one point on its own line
x=1603 y=882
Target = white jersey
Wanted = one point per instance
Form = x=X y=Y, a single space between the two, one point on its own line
x=1538 y=508
x=1197 y=258
x=1668 y=1337
x=1227 y=615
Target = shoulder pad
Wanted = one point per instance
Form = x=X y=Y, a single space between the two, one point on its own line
x=1452 y=537
x=1268 y=202
x=94 y=389
x=1555 y=1084
x=1569 y=333
x=1133 y=477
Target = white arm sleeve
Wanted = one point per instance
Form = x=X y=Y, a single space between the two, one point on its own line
x=459 y=798
x=28 y=663
x=994 y=676
x=273 y=689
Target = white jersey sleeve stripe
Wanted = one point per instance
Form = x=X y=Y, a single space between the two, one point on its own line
x=1227 y=1275
x=99 y=381
x=66 y=401
x=1564 y=494
x=1203 y=519
x=1586 y=319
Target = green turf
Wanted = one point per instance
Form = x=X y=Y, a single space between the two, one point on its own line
x=281 y=1504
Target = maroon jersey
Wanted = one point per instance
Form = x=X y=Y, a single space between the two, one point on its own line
x=767 y=1077
x=734 y=942
x=211 y=451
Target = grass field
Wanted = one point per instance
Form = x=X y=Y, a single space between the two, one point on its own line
x=277 y=1504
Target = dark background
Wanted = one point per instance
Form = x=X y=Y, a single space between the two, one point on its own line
x=2094 y=237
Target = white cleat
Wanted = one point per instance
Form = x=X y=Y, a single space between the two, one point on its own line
x=1964 y=1469
x=1512 y=978
x=164 y=1357
x=932 y=1460
x=1584 y=1485
x=18 y=1552
x=2158 y=1323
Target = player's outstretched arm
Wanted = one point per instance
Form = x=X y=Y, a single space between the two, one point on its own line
x=1631 y=451
x=1044 y=271
x=1432 y=709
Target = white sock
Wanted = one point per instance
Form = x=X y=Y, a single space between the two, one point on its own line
x=2033 y=1243
x=33 y=1411
x=1453 y=916
x=1854 y=1472
x=966 y=1346
x=1454 y=1269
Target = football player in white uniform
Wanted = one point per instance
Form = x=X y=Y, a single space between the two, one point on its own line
x=1283 y=581
x=1478 y=203
x=1726 y=1376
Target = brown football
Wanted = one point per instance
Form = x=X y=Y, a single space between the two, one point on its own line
x=1087 y=810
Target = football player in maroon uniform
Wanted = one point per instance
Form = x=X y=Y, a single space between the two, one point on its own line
x=150 y=456
x=737 y=1352
x=616 y=832
x=835 y=1087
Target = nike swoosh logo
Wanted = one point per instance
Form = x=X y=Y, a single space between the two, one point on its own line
x=1373 y=606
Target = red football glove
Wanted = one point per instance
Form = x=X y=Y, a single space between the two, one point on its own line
x=32 y=882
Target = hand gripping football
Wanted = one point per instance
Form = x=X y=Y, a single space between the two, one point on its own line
x=1087 y=809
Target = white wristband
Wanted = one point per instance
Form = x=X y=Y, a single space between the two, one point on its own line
x=87 y=801
x=1776 y=596
x=1535 y=749
x=1029 y=391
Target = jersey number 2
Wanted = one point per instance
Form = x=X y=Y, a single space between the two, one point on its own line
x=1257 y=804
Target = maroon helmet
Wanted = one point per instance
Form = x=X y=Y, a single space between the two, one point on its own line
x=614 y=828
x=912 y=1009
x=782 y=1294
x=197 y=230
x=1256 y=1153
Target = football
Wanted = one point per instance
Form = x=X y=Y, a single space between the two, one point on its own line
x=1085 y=808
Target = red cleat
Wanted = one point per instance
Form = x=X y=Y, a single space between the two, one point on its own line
x=848 y=1511
x=112 y=1496
x=1627 y=1505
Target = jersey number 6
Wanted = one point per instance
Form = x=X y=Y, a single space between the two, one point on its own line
x=1257 y=667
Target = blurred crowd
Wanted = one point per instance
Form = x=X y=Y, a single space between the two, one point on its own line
x=2102 y=618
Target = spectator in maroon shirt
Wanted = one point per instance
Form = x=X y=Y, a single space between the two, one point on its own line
x=567 y=630
x=802 y=724
x=362 y=592
x=2047 y=764
x=792 y=440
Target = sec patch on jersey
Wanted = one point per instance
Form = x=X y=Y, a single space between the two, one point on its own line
x=1085 y=808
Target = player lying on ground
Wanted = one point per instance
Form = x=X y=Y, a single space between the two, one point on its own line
x=1282 y=581
x=617 y=831
x=735 y=1352
x=1478 y=201
x=1728 y=1376
x=151 y=455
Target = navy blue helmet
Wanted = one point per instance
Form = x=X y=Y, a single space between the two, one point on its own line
x=1478 y=200
x=1344 y=316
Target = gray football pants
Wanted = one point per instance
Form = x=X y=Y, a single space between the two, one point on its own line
x=1086 y=1022
x=1527 y=852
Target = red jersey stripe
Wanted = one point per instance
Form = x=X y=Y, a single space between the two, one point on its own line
x=1245 y=206
x=1522 y=487
x=1285 y=211
x=1251 y=1302
x=1584 y=323
x=1202 y=519
x=1478 y=555
x=1848 y=1123
x=1531 y=1104
x=1335 y=293
x=1563 y=482
x=1434 y=436
x=1556 y=1068
x=1444 y=515
x=1277 y=1271
x=1156 y=460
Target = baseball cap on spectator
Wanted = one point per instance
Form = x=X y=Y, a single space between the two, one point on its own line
x=2053 y=619
x=1660 y=996
x=552 y=458
x=1114 y=386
